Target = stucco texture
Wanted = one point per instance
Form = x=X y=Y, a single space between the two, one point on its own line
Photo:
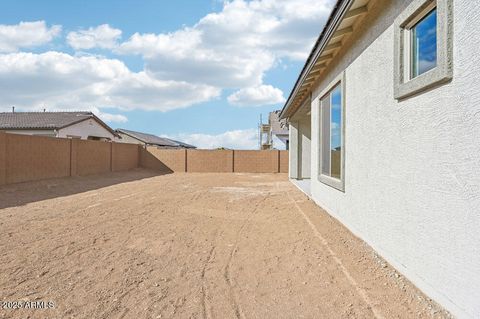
x=85 y=129
x=412 y=181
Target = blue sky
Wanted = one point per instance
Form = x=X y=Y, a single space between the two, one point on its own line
x=199 y=71
x=426 y=43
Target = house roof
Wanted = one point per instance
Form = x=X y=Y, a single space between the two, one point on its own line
x=46 y=120
x=153 y=139
x=279 y=126
x=182 y=144
x=339 y=26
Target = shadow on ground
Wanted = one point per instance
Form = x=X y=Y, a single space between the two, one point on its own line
x=23 y=193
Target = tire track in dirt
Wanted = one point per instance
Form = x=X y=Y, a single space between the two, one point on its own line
x=206 y=311
x=204 y=297
x=337 y=260
x=227 y=270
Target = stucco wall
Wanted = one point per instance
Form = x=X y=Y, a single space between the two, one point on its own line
x=304 y=137
x=127 y=139
x=293 y=152
x=85 y=129
x=412 y=168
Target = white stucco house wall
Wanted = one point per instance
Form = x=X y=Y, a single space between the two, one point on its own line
x=81 y=125
x=384 y=135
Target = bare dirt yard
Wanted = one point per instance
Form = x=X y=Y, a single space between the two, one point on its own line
x=136 y=245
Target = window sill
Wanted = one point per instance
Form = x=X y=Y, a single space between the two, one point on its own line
x=338 y=184
x=423 y=82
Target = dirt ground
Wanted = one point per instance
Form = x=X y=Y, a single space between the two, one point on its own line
x=135 y=245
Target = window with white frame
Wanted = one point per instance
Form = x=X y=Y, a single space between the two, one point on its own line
x=423 y=46
x=423 y=42
x=331 y=168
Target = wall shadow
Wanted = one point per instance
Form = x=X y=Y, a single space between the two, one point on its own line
x=19 y=194
x=150 y=161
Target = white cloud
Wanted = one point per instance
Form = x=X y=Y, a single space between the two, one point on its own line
x=140 y=91
x=257 y=96
x=235 y=47
x=182 y=56
x=230 y=49
x=111 y=118
x=60 y=81
x=236 y=139
x=426 y=65
x=26 y=35
x=102 y=36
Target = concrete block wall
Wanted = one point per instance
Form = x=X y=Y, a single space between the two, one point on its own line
x=256 y=161
x=3 y=158
x=73 y=157
x=29 y=158
x=166 y=160
x=283 y=166
x=152 y=158
x=124 y=156
x=203 y=161
x=225 y=161
x=93 y=157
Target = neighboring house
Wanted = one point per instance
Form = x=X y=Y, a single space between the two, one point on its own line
x=274 y=127
x=384 y=126
x=127 y=136
x=279 y=127
x=81 y=125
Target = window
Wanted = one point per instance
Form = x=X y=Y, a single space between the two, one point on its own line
x=424 y=44
x=332 y=136
x=423 y=47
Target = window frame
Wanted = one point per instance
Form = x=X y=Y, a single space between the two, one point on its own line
x=404 y=85
x=338 y=184
x=409 y=40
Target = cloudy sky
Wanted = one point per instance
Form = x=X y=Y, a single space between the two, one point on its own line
x=200 y=71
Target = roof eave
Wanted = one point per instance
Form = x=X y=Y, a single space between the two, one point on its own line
x=334 y=20
x=131 y=135
x=29 y=128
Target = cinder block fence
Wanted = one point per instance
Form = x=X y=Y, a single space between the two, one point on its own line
x=29 y=158
x=220 y=161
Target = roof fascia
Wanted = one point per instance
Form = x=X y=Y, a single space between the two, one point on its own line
x=317 y=50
